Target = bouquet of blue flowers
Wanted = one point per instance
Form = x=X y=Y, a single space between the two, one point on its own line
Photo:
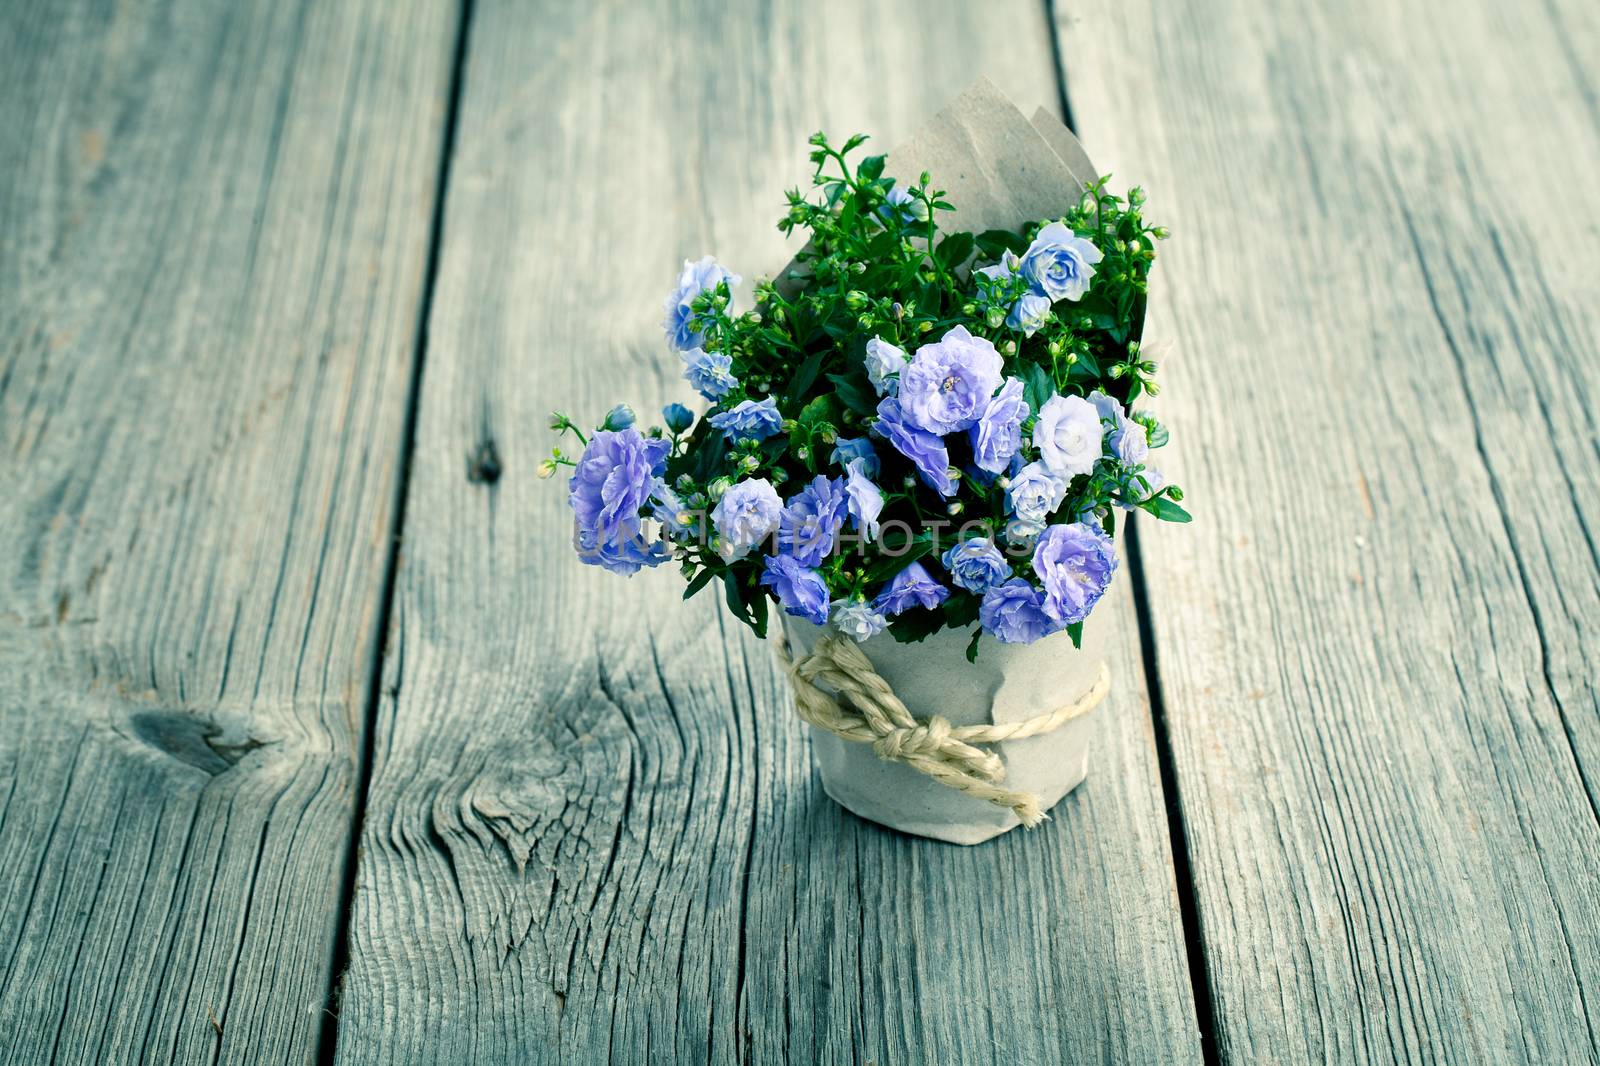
x=924 y=422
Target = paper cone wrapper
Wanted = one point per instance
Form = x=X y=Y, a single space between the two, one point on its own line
x=1000 y=169
x=1008 y=683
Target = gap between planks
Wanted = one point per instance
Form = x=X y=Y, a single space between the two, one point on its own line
x=1166 y=763
x=329 y=1040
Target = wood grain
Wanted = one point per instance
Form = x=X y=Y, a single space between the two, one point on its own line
x=1376 y=643
x=217 y=217
x=594 y=830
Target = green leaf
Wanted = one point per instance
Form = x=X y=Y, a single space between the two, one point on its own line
x=807 y=374
x=735 y=598
x=700 y=581
x=972 y=645
x=820 y=411
x=915 y=625
x=855 y=393
x=1075 y=631
x=772 y=448
x=758 y=610
x=847 y=216
x=708 y=455
x=1097 y=310
x=1166 y=510
x=1037 y=386
x=818 y=422
x=954 y=250
x=904 y=553
x=960 y=610
x=993 y=243
x=871 y=168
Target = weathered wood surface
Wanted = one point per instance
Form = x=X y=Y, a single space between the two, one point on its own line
x=1376 y=643
x=216 y=222
x=594 y=830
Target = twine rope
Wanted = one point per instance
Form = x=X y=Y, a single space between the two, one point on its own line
x=870 y=713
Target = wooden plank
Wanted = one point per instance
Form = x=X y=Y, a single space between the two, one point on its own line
x=594 y=830
x=217 y=217
x=1376 y=642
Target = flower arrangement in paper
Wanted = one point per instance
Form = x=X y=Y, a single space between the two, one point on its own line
x=914 y=428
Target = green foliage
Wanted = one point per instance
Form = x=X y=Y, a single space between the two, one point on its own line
x=1037 y=385
x=915 y=625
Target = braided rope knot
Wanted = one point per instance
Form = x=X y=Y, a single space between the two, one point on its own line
x=922 y=739
x=867 y=711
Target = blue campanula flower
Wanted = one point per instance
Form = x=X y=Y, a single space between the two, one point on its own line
x=1069 y=436
x=1075 y=562
x=1106 y=405
x=911 y=587
x=924 y=449
x=809 y=527
x=1030 y=313
x=610 y=487
x=884 y=363
x=1004 y=269
x=1034 y=492
x=1090 y=517
x=711 y=373
x=681 y=326
x=848 y=448
x=865 y=498
x=745 y=516
x=1137 y=488
x=998 y=435
x=948 y=383
x=677 y=417
x=1059 y=264
x=619 y=417
x=899 y=203
x=857 y=619
x=1129 y=441
x=976 y=564
x=750 y=420
x=677 y=521
x=1013 y=613
x=800 y=589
